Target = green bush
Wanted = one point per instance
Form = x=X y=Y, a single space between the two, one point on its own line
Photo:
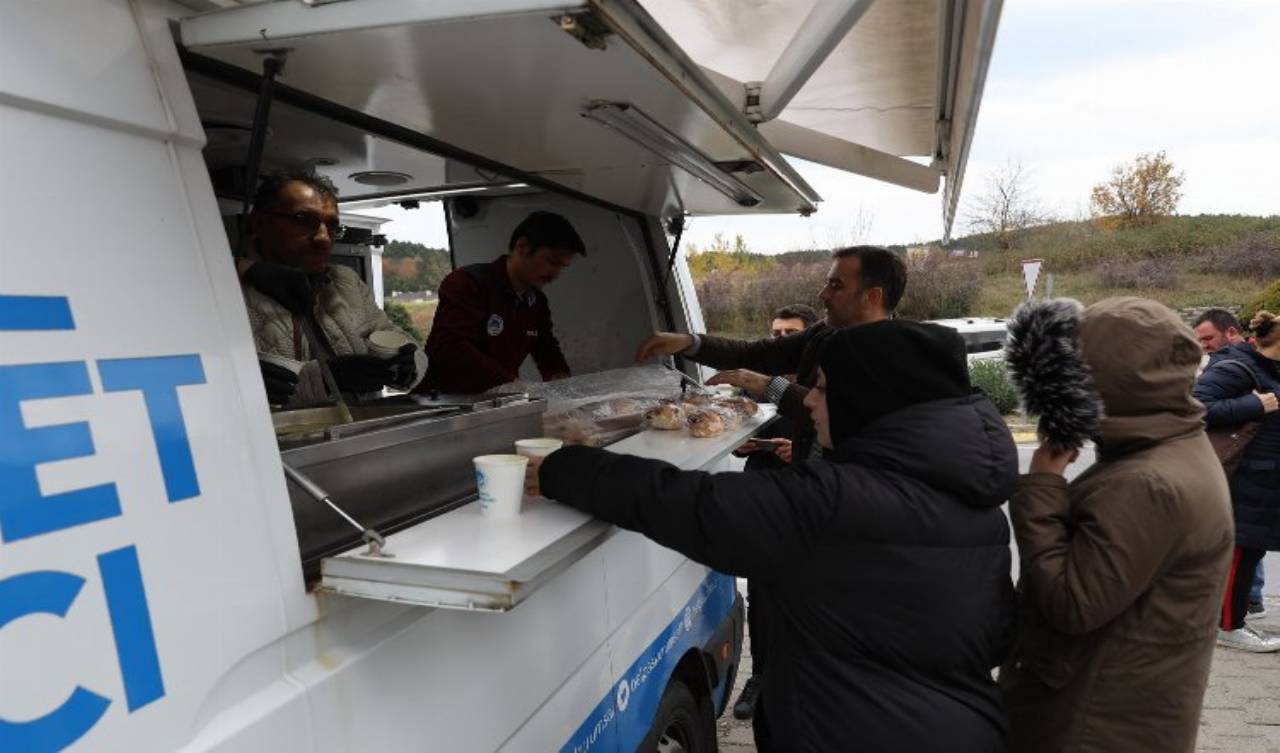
x=1267 y=300
x=991 y=376
x=399 y=316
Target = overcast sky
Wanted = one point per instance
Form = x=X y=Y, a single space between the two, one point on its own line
x=1075 y=87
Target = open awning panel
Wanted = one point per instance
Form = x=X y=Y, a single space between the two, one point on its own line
x=878 y=87
x=511 y=80
x=894 y=96
x=896 y=99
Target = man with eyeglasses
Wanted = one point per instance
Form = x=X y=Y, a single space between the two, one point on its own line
x=294 y=224
x=863 y=285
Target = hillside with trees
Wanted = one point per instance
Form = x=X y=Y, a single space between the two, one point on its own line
x=1184 y=262
x=1133 y=244
x=412 y=267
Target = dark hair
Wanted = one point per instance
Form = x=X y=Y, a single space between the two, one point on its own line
x=1221 y=319
x=880 y=268
x=271 y=184
x=799 y=311
x=548 y=230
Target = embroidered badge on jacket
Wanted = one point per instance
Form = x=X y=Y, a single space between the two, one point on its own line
x=495 y=325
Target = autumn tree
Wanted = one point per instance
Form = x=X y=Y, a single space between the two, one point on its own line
x=722 y=255
x=1006 y=205
x=1138 y=193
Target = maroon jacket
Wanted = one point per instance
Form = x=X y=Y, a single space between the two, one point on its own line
x=483 y=331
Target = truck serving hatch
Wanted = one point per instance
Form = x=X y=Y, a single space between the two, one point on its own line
x=593 y=97
x=660 y=106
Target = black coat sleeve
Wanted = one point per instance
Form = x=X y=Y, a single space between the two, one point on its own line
x=748 y=524
x=772 y=356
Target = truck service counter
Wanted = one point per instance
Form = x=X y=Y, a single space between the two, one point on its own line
x=458 y=559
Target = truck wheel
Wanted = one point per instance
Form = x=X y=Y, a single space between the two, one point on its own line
x=683 y=725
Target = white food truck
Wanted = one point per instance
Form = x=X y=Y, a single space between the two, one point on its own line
x=163 y=587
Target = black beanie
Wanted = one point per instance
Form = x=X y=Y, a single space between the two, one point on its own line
x=875 y=369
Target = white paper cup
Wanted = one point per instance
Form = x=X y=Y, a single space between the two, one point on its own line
x=282 y=362
x=539 y=447
x=387 y=343
x=500 y=481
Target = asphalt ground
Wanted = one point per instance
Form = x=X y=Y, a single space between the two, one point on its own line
x=1241 y=711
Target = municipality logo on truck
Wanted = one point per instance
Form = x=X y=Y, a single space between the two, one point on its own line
x=27 y=514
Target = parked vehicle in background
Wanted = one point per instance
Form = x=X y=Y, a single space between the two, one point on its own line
x=984 y=337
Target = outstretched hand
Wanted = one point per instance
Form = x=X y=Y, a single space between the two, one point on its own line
x=1049 y=459
x=753 y=382
x=663 y=344
x=531 y=485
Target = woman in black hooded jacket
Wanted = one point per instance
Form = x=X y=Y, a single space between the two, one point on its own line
x=890 y=560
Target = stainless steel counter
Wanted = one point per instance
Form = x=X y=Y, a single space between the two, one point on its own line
x=462 y=560
x=391 y=474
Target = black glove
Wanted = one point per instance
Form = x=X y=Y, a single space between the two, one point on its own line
x=362 y=373
x=281 y=383
x=404 y=365
x=288 y=286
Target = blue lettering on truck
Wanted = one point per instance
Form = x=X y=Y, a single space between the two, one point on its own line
x=623 y=717
x=26 y=513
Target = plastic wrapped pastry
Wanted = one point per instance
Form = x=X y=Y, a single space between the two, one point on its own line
x=743 y=406
x=666 y=416
x=706 y=423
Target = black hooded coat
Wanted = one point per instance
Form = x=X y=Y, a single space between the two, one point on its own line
x=889 y=564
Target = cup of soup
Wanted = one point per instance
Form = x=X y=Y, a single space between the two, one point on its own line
x=500 y=482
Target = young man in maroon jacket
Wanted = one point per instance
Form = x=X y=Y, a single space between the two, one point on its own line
x=492 y=316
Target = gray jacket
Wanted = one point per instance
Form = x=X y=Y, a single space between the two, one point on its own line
x=347 y=315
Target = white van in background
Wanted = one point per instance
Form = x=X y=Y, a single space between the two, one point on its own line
x=984 y=337
x=162 y=588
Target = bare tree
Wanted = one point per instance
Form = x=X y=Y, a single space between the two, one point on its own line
x=853 y=232
x=1006 y=205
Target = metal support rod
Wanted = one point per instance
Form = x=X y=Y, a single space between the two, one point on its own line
x=271 y=67
x=827 y=24
x=370 y=536
x=678 y=222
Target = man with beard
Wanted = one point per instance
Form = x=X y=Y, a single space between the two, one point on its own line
x=288 y=279
x=863 y=285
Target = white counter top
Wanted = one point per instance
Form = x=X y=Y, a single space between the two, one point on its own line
x=461 y=560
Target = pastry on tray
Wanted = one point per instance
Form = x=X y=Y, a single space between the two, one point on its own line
x=743 y=406
x=706 y=423
x=665 y=416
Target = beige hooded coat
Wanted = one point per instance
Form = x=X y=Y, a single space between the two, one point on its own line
x=1123 y=569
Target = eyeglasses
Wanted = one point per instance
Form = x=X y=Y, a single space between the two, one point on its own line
x=310 y=223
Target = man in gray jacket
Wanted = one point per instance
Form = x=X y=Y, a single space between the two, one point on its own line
x=863 y=285
x=295 y=224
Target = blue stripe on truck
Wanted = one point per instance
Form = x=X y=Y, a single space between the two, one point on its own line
x=623 y=717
